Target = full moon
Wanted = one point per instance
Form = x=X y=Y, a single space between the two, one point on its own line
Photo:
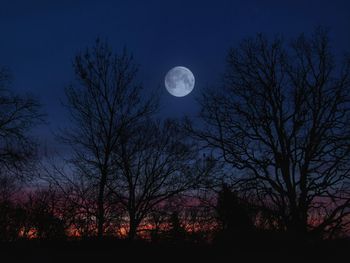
x=179 y=81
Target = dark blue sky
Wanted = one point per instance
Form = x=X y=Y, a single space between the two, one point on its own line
x=39 y=39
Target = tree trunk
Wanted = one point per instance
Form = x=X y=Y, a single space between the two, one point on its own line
x=297 y=226
x=133 y=225
x=100 y=207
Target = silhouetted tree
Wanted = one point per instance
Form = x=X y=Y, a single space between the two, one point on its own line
x=104 y=103
x=282 y=117
x=18 y=114
x=155 y=163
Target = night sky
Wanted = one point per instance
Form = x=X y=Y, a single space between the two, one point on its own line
x=40 y=38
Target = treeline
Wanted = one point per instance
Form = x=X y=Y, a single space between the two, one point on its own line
x=269 y=151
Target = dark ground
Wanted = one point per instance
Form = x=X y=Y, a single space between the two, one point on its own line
x=123 y=251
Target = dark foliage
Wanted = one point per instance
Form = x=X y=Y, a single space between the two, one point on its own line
x=233 y=216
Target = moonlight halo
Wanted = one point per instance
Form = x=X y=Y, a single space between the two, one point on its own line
x=179 y=81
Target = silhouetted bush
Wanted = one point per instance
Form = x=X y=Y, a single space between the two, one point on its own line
x=233 y=216
x=12 y=218
x=176 y=233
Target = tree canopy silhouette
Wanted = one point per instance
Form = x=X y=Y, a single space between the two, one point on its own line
x=282 y=118
x=18 y=152
x=104 y=102
x=18 y=114
x=156 y=162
